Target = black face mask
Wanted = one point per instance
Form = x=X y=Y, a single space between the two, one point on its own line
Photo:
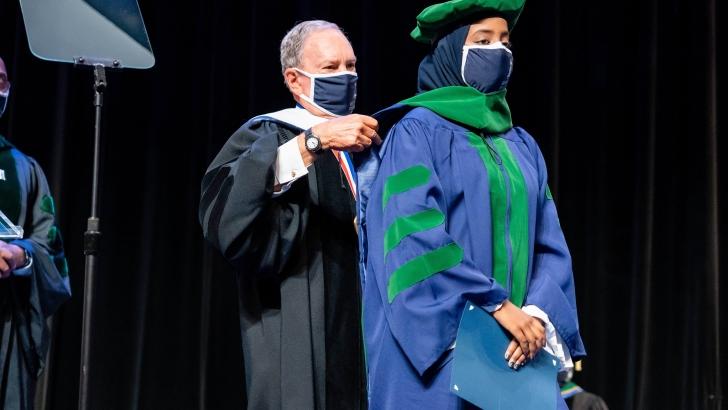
x=487 y=68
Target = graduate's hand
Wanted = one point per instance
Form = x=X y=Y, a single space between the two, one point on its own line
x=353 y=132
x=515 y=356
x=526 y=330
x=11 y=258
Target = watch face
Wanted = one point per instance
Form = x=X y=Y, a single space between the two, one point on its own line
x=312 y=143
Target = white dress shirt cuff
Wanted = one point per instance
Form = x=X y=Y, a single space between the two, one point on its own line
x=289 y=166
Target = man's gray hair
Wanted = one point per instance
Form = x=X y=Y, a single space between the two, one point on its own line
x=292 y=43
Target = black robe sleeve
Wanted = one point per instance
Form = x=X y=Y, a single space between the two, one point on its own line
x=31 y=294
x=44 y=245
x=254 y=230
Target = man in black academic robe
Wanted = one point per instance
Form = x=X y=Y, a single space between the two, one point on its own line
x=278 y=201
x=33 y=271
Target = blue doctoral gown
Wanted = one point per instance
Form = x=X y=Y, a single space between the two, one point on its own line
x=427 y=248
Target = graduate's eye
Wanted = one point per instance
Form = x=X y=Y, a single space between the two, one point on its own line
x=483 y=42
x=508 y=44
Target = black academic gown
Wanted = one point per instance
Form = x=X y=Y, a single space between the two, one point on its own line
x=296 y=256
x=29 y=297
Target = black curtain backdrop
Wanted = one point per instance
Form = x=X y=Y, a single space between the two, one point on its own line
x=623 y=96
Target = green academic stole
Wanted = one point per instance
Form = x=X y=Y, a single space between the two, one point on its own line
x=509 y=214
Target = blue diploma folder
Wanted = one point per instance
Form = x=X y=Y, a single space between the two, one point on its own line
x=481 y=375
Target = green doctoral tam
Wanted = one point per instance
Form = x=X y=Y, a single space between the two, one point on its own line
x=442 y=16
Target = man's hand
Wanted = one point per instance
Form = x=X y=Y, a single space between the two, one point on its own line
x=11 y=258
x=528 y=332
x=353 y=132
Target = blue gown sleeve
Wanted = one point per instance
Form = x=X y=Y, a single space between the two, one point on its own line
x=552 y=282
x=427 y=276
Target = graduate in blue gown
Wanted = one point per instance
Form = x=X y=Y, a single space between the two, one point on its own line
x=455 y=207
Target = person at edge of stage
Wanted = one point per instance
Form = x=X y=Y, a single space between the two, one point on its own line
x=454 y=208
x=33 y=270
x=278 y=201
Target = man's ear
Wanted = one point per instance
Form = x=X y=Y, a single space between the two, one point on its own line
x=292 y=81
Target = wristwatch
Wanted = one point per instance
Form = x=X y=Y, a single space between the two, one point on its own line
x=313 y=143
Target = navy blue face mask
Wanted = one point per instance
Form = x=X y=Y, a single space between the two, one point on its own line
x=487 y=68
x=334 y=94
x=4 y=101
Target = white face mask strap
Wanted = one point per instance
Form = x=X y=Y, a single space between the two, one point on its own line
x=6 y=96
x=320 y=108
x=493 y=46
x=311 y=77
x=462 y=65
x=324 y=75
